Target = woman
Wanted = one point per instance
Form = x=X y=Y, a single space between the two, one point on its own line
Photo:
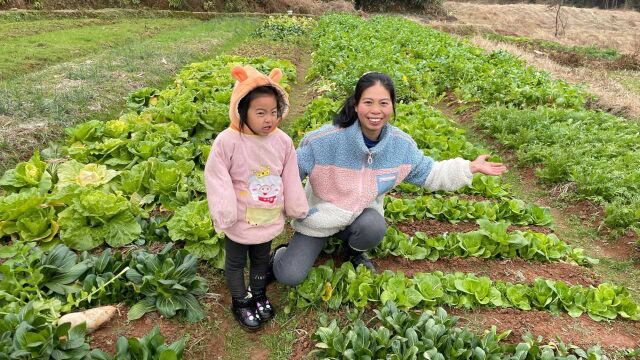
x=351 y=165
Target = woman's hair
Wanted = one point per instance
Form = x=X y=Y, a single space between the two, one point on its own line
x=347 y=114
x=243 y=105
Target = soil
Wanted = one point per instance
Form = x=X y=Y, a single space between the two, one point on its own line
x=435 y=227
x=307 y=326
x=509 y=270
x=581 y=331
x=201 y=339
x=207 y=338
x=624 y=247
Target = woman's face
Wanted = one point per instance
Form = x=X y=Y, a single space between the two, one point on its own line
x=374 y=110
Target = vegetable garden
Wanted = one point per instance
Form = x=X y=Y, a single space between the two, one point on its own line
x=116 y=214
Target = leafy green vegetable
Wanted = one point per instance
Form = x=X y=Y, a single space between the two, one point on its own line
x=149 y=347
x=32 y=173
x=284 y=27
x=491 y=241
x=426 y=290
x=96 y=217
x=29 y=335
x=454 y=209
x=28 y=216
x=398 y=334
x=84 y=175
x=192 y=223
x=168 y=283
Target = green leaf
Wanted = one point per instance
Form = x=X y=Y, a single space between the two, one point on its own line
x=139 y=309
x=122 y=229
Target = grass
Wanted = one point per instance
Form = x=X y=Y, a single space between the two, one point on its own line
x=591 y=51
x=34 y=108
x=237 y=343
x=629 y=79
x=280 y=344
x=14 y=29
x=585 y=26
x=22 y=54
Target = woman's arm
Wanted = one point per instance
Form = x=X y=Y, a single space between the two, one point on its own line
x=455 y=173
x=449 y=174
x=305 y=159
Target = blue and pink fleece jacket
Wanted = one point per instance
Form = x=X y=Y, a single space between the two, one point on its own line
x=345 y=177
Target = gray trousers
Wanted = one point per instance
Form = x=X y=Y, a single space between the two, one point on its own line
x=292 y=264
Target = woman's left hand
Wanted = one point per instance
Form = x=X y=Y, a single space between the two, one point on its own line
x=481 y=165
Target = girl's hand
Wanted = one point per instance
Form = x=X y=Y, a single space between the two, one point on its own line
x=481 y=165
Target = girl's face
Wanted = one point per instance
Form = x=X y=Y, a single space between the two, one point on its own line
x=374 y=110
x=262 y=116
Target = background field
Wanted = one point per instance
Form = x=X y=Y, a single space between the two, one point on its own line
x=59 y=72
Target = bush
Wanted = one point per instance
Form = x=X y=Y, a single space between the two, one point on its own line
x=398 y=5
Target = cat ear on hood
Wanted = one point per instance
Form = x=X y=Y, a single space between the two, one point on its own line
x=275 y=75
x=239 y=73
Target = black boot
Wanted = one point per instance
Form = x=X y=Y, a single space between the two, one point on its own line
x=359 y=258
x=269 y=276
x=264 y=309
x=245 y=312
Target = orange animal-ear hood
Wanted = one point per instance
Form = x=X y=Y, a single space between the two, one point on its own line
x=247 y=79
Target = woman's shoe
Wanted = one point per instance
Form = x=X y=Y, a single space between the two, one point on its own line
x=264 y=309
x=360 y=258
x=244 y=311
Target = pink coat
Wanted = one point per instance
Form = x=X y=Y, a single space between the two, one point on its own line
x=252 y=183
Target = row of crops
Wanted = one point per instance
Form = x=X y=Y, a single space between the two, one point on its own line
x=138 y=180
x=128 y=182
x=545 y=121
x=425 y=64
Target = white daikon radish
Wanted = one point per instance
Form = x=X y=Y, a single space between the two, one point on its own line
x=93 y=317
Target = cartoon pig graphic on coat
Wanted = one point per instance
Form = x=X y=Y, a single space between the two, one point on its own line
x=265 y=188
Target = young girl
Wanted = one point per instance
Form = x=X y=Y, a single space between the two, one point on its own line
x=351 y=165
x=252 y=182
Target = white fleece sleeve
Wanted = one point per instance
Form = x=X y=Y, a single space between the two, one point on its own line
x=449 y=175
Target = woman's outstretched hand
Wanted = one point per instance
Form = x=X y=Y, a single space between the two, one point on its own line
x=481 y=165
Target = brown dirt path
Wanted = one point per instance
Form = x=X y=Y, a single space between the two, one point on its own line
x=617 y=29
